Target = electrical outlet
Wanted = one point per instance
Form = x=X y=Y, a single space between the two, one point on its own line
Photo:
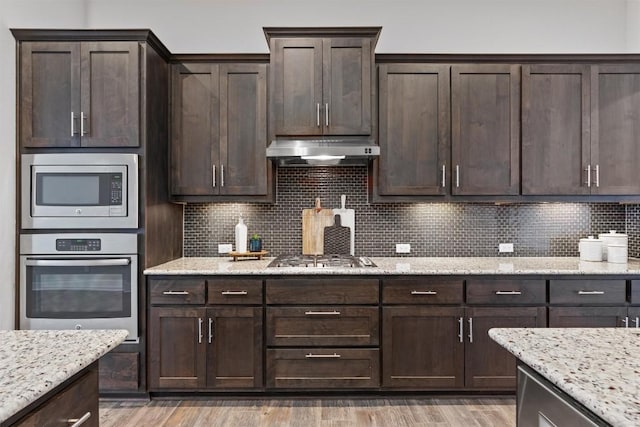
x=403 y=248
x=505 y=247
x=225 y=248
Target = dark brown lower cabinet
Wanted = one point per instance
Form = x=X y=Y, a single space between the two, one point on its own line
x=487 y=364
x=587 y=317
x=201 y=348
x=423 y=347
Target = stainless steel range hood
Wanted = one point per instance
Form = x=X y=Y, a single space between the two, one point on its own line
x=323 y=152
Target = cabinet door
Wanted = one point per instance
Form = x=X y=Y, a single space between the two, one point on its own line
x=243 y=129
x=297 y=86
x=177 y=348
x=194 y=130
x=485 y=108
x=50 y=94
x=556 y=145
x=586 y=317
x=346 y=86
x=413 y=129
x=487 y=364
x=422 y=347
x=110 y=89
x=234 y=356
x=615 y=129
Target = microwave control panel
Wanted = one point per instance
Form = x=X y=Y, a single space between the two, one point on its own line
x=78 y=245
x=116 y=189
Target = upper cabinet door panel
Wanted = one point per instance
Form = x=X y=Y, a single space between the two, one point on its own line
x=615 y=129
x=110 y=94
x=414 y=129
x=50 y=94
x=555 y=129
x=297 y=90
x=485 y=129
x=243 y=128
x=194 y=130
x=347 y=86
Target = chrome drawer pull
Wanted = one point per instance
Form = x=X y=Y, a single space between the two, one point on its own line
x=424 y=293
x=77 y=422
x=234 y=292
x=508 y=293
x=175 y=293
x=590 y=292
x=322 y=356
x=322 y=313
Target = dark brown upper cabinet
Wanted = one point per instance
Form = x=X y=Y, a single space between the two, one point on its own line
x=79 y=94
x=321 y=81
x=485 y=129
x=219 y=132
x=414 y=129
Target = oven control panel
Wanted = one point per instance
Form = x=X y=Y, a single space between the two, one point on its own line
x=78 y=245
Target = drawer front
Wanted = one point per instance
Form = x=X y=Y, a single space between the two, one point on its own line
x=635 y=292
x=322 y=291
x=505 y=291
x=322 y=326
x=590 y=292
x=323 y=368
x=178 y=291
x=422 y=291
x=234 y=291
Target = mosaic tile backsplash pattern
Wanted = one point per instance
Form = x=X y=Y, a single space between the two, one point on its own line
x=432 y=229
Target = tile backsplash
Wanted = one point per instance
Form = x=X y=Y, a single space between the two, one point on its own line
x=432 y=229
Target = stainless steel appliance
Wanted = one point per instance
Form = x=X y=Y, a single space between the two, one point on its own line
x=79 y=281
x=79 y=190
x=355 y=151
x=346 y=261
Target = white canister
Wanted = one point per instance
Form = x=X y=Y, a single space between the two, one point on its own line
x=617 y=253
x=590 y=249
x=612 y=238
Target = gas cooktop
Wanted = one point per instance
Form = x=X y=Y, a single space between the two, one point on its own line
x=347 y=261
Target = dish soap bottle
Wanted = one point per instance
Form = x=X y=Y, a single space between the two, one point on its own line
x=241 y=236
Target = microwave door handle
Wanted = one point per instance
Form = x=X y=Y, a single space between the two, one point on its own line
x=76 y=262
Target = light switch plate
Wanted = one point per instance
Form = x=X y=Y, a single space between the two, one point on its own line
x=225 y=248
x=505 y=247
x=403 y=248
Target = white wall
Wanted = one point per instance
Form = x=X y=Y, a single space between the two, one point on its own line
x=420 y=26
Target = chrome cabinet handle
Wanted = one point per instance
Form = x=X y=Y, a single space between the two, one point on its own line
x=77 y=422
x=73 y=126
x=636 y=322
x=460 y=329
x=597 y=175
x=590 y=292
x=200 y=330
x=82 y=119
x=625 y=322
x=213 y=174
x=444 y=177
x=457 y=176
x=508 y=292
x=326 y=114
x=234 y=292
x=318 y=114
x=210 y=330
x=221 y=175
x=76 y=262
x=175 y=293
x=424 y=292
x=322 y=313
x=322 y=356
x=471 y=329
x=588 y=176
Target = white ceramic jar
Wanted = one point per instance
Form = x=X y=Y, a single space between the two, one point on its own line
x=617 y=253
x=590 y=249
x=612 y=238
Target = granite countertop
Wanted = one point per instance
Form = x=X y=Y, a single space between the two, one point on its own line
x=598 y=367
x=33 y=363
x=386 y=266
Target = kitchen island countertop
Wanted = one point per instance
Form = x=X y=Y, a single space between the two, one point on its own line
x=598 y=367
x=33 y=363
x=402 y=265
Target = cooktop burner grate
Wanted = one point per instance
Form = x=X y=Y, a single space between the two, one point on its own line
x=344 y=261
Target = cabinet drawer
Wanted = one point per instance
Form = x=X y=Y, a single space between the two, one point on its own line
x=635 y=292
x=323 y=368
x=322 y=326
x=322 y=291
x=422 y=291
x=234 y=291
x=578 y=292
x=177 y=291
x=78 y=400
x=505 y=291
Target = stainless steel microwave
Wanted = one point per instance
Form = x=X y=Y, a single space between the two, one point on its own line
x=79 y=190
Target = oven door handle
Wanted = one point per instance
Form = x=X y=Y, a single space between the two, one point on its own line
x=76 y=262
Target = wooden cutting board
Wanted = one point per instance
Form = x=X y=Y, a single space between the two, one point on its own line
x=347 y=219
x=314 y=222
x=337 y=239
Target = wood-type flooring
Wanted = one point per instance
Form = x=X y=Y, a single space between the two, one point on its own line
x=463 y=412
